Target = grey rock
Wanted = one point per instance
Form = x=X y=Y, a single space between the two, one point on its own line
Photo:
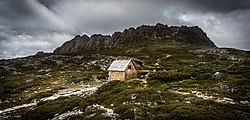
x=191 y=98
x=223 y=86
x=133 y=96
x=132 y=36
x=216 y=76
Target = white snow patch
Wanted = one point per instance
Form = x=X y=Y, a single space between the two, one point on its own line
x=133 y=96
x=66 y=92
x=167 y=56
x=206 y=97
x=144 y=81
x=182 y=93
x=69 y=92
x=66 y=115
x=109 y=112
x=200 y=95
x=17 y=107
x=244 y=102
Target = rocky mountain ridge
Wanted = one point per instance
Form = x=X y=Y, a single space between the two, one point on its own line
x=132 y=36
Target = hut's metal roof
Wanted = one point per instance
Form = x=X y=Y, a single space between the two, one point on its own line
x=119 y=65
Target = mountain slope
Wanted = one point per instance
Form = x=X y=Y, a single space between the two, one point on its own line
x=179 y=77
x=130 y=37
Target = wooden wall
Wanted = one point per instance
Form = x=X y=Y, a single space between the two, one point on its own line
x=130 y=72
x=116 y=75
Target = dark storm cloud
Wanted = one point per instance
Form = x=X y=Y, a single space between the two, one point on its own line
x=216 y=5
x=47 y=3
x=30 y=16
x=27 y=26
x=21 y=8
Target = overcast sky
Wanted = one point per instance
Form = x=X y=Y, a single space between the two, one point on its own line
x=29 y=26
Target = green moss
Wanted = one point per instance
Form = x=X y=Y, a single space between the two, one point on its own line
x=125 y=111
x=48 y=109
x=183 y=71
x=168 y=76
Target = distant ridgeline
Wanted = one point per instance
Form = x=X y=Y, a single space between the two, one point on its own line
x=136 y=36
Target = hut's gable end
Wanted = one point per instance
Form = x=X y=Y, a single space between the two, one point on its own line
x=130 y=66
x=130 y=71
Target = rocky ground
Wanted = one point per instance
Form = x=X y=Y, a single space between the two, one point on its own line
x=175 y=81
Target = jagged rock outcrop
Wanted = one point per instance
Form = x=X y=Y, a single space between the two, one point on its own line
x=132 y=36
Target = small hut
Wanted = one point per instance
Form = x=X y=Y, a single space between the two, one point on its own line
x=122 y=69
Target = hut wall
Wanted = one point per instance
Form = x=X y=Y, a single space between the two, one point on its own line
x=130 y=71
x=116 y=75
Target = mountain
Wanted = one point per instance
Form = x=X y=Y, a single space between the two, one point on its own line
x=181 y=75
x=134 y=36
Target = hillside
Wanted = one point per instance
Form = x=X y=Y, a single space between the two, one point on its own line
x=183 y=76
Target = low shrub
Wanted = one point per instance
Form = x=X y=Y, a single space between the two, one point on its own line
x=168 y=76
x=142 y=73
x=47 y=110
x=204 y=76
x=107 y=86
x=125 y=111
x=103 y=76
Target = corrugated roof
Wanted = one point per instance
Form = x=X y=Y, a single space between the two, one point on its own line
x=119 y=65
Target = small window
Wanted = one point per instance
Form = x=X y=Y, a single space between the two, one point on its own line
x=129 y=67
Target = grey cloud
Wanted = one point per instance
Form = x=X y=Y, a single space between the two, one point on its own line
x=12 y=9
x=30 y=16
x=105 y=16
x=23 y=44
x=37 y=22
x=217 y=5
x=47 y=3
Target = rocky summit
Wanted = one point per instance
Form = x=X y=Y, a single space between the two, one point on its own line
x=134 y=36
